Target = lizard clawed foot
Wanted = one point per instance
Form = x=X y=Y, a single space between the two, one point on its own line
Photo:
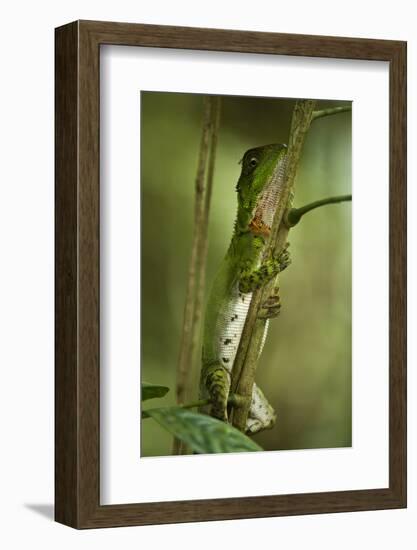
x=284 y=258
x=271 y=307
x=218 y=385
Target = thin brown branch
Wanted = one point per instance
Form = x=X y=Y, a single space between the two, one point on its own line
x=186 y=336
x=295 y=214
x=193 y=405
x=232 y=399
x=196 y=275
x=203 y=241
x=331 y=111
x=244 y=368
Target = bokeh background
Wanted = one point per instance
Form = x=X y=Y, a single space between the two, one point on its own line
x=305 y=368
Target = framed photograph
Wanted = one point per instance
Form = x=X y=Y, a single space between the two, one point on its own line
x=230 y=274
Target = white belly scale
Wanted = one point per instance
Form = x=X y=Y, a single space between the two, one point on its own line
x=229 y=326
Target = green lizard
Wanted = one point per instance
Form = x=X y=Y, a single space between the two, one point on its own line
x=241 y=272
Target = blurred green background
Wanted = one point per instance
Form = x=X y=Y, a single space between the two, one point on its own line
x=305 y=368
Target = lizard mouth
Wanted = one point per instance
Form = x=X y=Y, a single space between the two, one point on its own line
x=264 y=211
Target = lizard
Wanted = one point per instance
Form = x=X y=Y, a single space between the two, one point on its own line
x=241 y=272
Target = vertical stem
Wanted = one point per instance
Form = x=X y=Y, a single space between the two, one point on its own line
x=203 y=242
x=244 y=368
x=196 y=274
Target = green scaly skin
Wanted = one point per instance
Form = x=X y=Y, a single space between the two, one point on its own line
x=240 y=273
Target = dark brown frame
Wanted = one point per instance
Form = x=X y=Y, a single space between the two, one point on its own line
x=77 y=274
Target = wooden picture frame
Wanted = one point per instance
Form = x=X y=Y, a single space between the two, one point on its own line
x=77 y=405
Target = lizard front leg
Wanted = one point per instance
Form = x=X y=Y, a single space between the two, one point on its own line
x=252 y=279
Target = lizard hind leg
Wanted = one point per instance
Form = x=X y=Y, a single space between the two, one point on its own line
x=261 y=415
x=217 y=385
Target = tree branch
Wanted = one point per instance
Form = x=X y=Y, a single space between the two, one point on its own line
x=244 y=368
x=331 y=111
x=193 y=405
x=295 y=214
x=196 y=274
x=232 y=399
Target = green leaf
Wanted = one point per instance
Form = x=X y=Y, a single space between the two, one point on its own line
x=149 y=391
x=201 y=432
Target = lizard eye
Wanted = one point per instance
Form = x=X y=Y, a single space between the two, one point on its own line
x=253 y=162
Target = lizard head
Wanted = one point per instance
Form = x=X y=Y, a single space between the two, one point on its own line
x=259 y=187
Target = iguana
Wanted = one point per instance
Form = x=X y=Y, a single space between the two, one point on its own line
x=241 y=272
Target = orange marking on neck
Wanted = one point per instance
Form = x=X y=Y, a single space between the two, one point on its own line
x=258 y=227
